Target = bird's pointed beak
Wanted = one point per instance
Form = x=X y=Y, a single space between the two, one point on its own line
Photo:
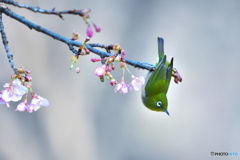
x=166 y=111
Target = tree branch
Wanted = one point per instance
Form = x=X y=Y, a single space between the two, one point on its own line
x=69 y=42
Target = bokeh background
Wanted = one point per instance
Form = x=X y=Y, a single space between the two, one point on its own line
x=86 y=120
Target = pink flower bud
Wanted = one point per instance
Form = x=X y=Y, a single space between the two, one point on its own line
x=95 y=60
x=87 y=51
x=27 y=71
x=89 y=31
x=113 y=82
x=86 y=40
x=97 y=28
x=28 y=78
x=109 y=68
x=123 y=54
x=113 y=67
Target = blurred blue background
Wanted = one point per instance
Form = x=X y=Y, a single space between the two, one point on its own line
x=87 y=120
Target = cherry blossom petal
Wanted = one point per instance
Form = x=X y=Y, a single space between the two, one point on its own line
x=23 y=106
x=137 y=83
x=121 y=88
x=37 y=102
x=14 y=91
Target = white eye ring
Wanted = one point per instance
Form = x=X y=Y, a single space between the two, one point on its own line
x=159 y=104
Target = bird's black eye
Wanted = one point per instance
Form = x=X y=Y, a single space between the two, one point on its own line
x=159 y=104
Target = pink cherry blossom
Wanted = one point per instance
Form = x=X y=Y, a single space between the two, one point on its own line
x=136 y=83
x=121 y=87
x=37 y=102
x=14 y=91
x=23 y=106
x=100 y=71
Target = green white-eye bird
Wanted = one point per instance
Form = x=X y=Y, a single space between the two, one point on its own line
x=154 y=93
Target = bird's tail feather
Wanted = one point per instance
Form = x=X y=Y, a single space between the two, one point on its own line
x=160 y=49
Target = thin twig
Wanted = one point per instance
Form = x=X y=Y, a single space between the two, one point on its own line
x=45 y=11
x=5 y=43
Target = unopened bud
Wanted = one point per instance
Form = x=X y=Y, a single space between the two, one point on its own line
x=28 y=71
x=87 y=51
x=77 y=70
x=102 y=79
x=89 y=31
x=28 y=78
x=87 y=39
x=97 y=28
x=95 y=60
x=113 y=67
x=113 y=82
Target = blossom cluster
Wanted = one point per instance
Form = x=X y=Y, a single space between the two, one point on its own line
x=20 y=85
x=105 y=70
x=82 y=50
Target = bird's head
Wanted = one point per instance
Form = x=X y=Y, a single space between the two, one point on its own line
x=157 y=103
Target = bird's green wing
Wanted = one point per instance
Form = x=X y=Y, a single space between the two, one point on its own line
x=158 y=81
x=169 y=70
